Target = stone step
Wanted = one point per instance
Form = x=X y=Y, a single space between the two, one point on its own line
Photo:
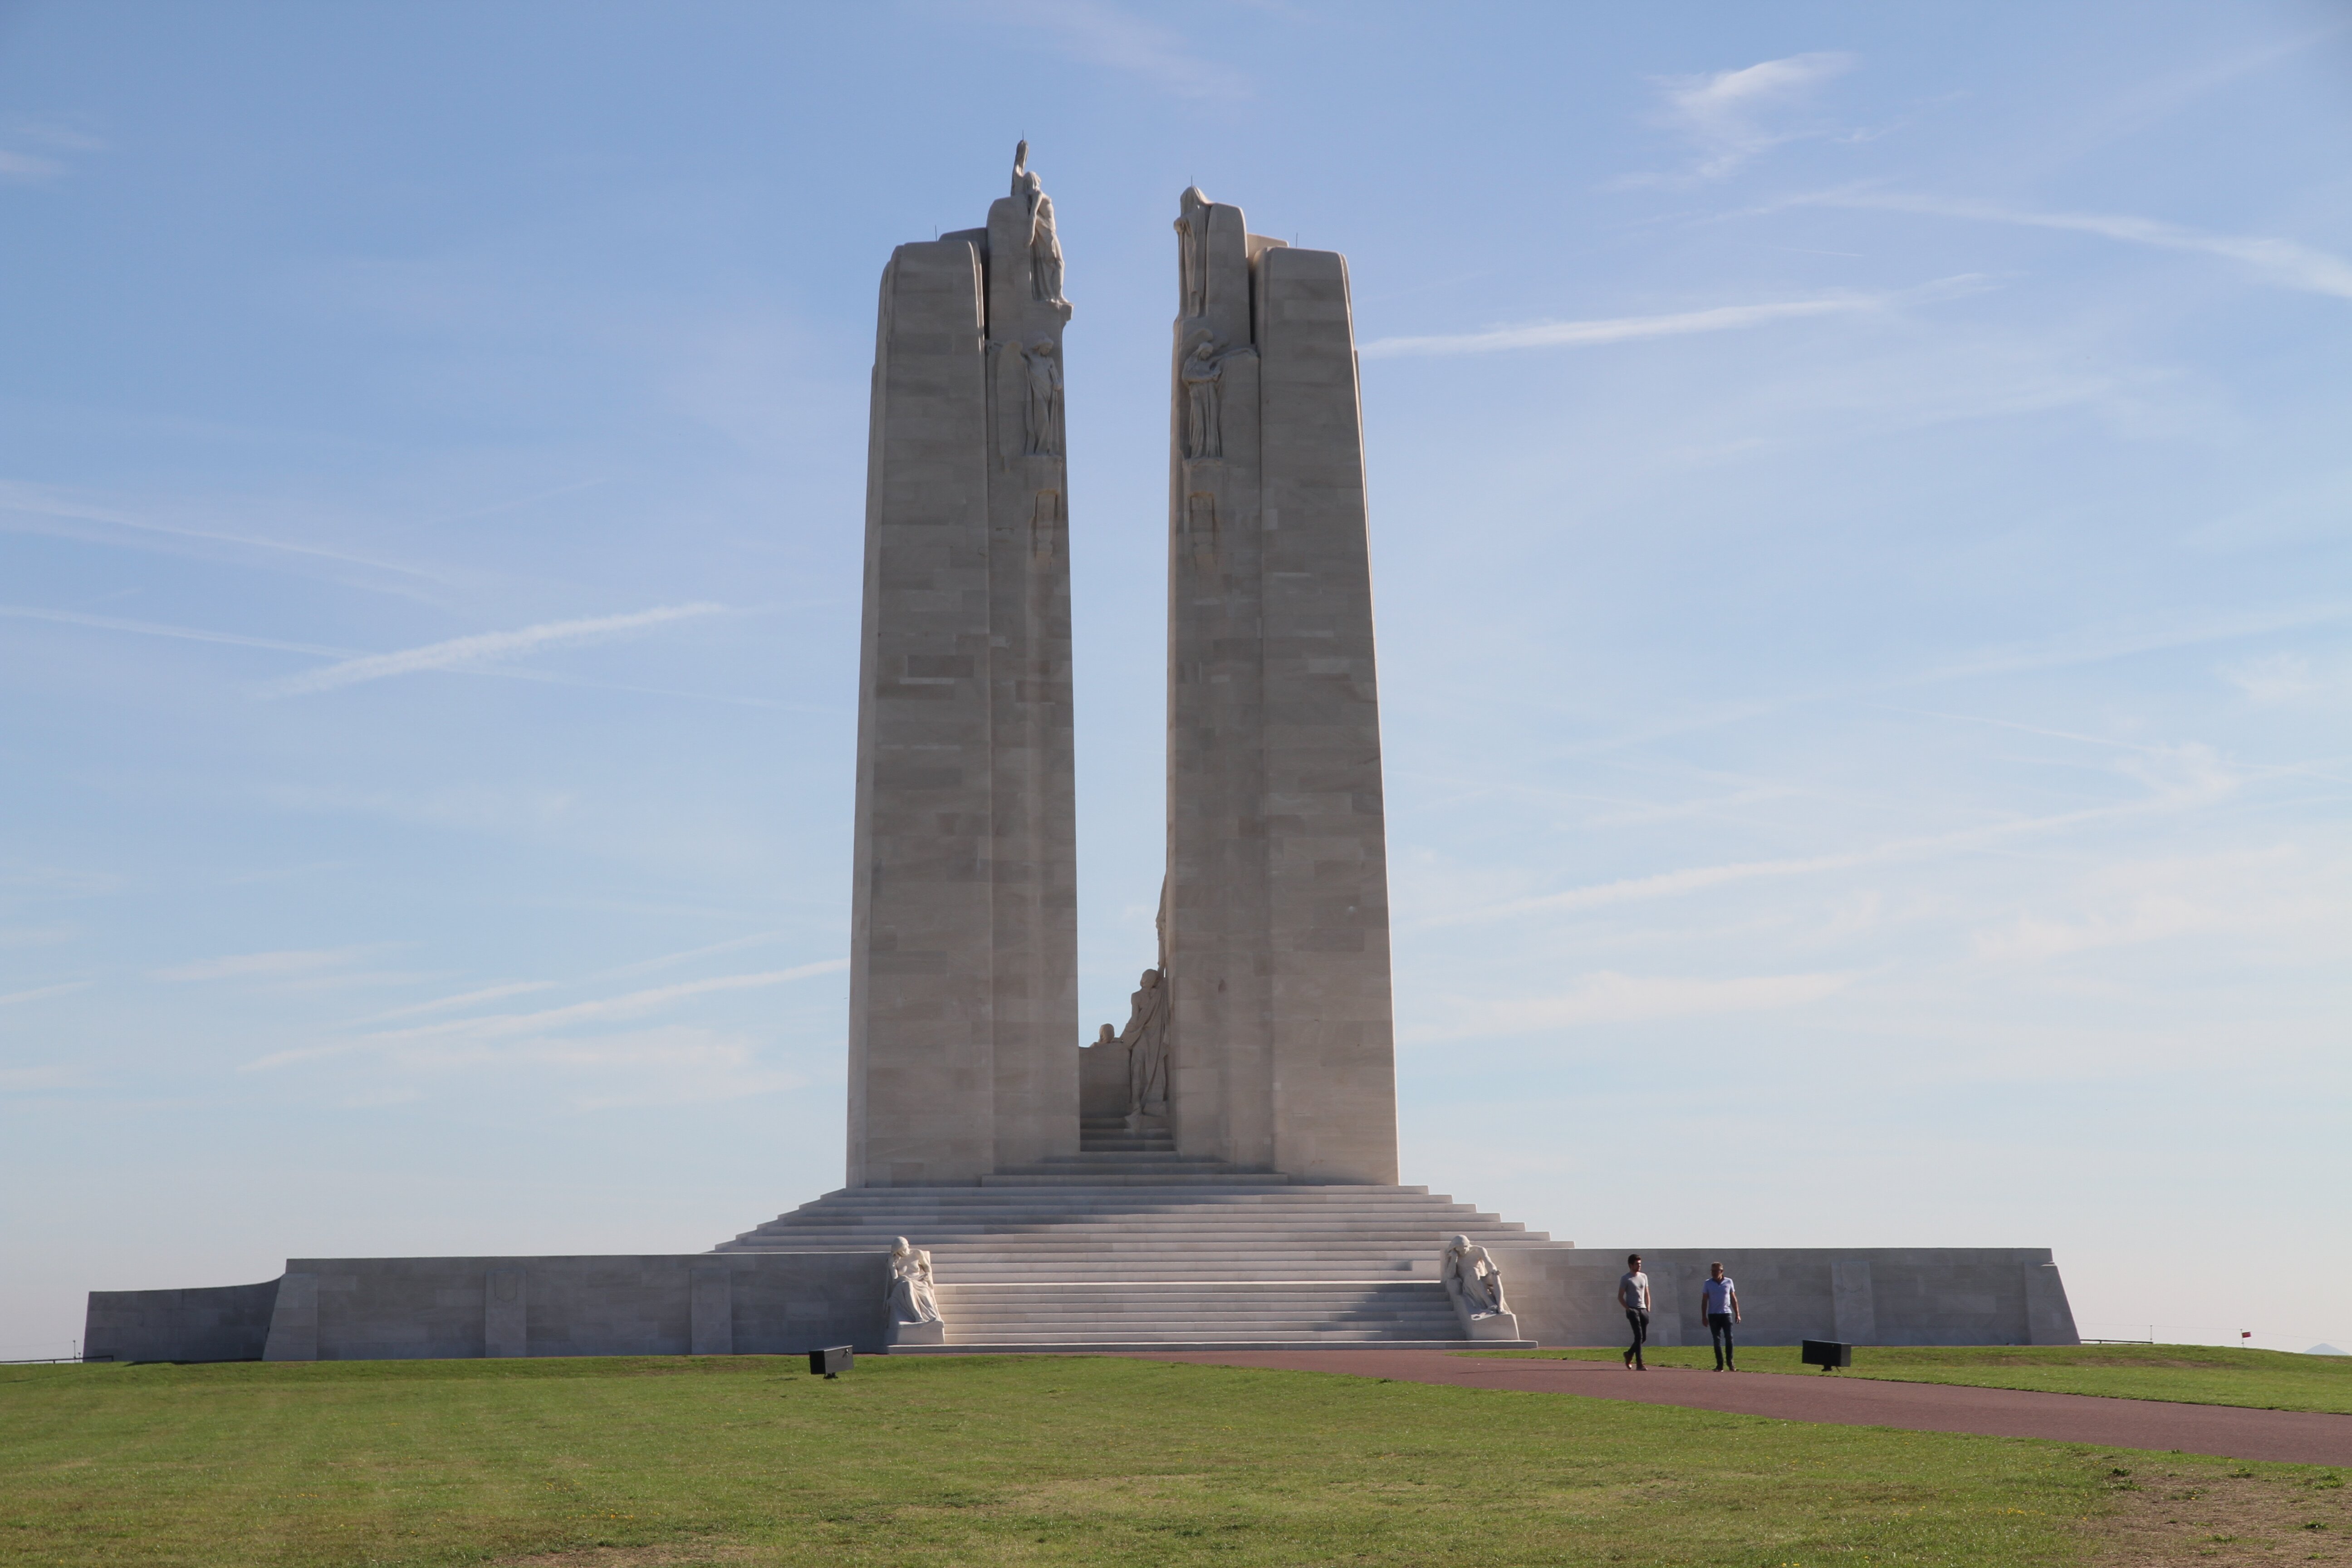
x=1124 y=1247
x=1189 y=1178
x=1114 y=1347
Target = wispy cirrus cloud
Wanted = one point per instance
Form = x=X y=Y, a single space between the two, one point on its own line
x=21 y=167
x=2283 y=263
x=1608 y=997
x=156 y=629
x=547 y=1021
x=281 y=965
x=484 y=647
x=1680 y=323
x=39 y=993
x=1732 y=116
x=2177 y=778
x=36 y=508
x=1104 y=35
x=463 y=999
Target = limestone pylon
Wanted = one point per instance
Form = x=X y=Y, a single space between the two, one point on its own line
x=964 y=948
x=1281 y=1033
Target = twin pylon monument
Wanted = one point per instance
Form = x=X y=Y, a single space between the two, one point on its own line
x=1270 y=1045
x=1221 y=1171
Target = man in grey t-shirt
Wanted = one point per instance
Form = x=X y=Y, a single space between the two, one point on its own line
x=1718 y=1303
x=1634 y=1295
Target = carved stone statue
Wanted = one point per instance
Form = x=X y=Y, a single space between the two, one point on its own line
x=1204 y=373
x=1044 y=245
x=1044 y=404
x=1146 y=1038
x=1193 y=249
x=912 y=1299
x=1471 y=1279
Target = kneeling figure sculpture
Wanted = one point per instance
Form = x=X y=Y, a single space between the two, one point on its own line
x=1475 y=1285
x=914 y=1306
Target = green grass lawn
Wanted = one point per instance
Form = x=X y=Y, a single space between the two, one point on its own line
x=2193 y=1375
x=980 y=1461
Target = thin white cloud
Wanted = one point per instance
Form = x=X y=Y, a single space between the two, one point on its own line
x=264 y=965
x=32 y=1081
x=732 y=945
x=1618 y=328
x=1681 y=323
x=24 y=168
x=2177 y=778
x=508 y=1026
x=1104 y=35
x=2275 y=679
x=1732 y=116
x=464 y=999
x=154 y=629
x=35 y=508
x=1608 y=997
x=38 y=992
x=2283 y=263
x=635 y=1004
x=459 y=653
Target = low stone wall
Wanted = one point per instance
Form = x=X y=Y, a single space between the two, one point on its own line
x=224 y=1323
x=392 y=1309
x=1868 y=1296
x=739 y=1303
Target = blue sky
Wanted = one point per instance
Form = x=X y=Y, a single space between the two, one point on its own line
x=1863 y=536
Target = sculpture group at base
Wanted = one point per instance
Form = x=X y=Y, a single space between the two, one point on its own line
x=914 y=1304
x=1474 y=1283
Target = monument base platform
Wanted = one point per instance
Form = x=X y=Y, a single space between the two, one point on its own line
x=1150 y=1347
x=1090 y=1254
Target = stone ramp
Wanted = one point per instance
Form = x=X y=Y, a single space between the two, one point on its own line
x=1133 y=1248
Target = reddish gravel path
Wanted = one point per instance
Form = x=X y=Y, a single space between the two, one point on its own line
x=2296 y=1437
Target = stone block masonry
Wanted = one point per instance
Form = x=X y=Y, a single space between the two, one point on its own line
x=1281 y=1039
x=1865 y=1295
x=964 y=948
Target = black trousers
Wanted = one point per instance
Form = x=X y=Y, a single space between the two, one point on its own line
x=1718 y=1328
x=1640 y=1323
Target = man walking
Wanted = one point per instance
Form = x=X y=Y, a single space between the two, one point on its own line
x=1719 y=1298
x=1634 y=1295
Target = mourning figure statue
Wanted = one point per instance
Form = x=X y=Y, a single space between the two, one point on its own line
x=1203 y=372
x=1146 y=1038
x=1044 y=245
x=1044 y=372
x=912 y=1299
x=1471 y=1279
x=1193 y=250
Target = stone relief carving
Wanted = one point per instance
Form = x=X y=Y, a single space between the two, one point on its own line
x=1471 y=1281
x=1200 y=526
x=911 y=1297
x=1146 y=1038
x=1193 y=250
x=1042 y=519
x=1204 y=373
x=1041 y=415
x=1044 y=245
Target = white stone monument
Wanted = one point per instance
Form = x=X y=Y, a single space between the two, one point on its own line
x=1281 y=1045
x=963 y=952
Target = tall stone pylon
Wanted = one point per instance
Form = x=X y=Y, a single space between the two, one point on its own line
x=1276 y=916
x=963 y=947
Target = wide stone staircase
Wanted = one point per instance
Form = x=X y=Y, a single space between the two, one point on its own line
x=1142 y=1248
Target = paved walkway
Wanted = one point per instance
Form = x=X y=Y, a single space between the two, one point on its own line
x=2296 y=1437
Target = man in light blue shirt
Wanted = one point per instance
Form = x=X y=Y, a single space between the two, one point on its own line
x=1719 y=1298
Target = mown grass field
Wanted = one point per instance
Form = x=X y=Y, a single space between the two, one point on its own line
x=1014 y=1460
x=2192 y=1374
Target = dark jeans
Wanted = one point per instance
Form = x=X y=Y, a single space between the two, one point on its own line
x=1640 y=1323
x=1718 y=1328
